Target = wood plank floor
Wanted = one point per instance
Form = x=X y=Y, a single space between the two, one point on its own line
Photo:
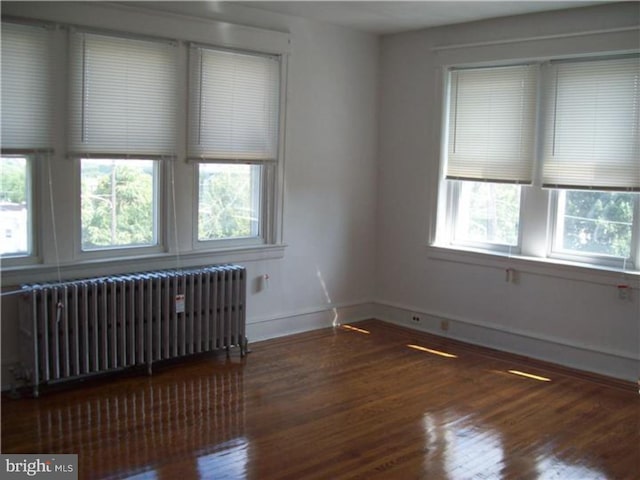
x=339 y=404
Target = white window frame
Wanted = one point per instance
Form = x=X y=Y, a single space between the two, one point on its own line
x=80 y=152
x=57 y=249
x=37 y=147
x=599 y=260
x=271 y=176
x=538 y=211
x=447 y=215
x=32 y=254
x=266 y=214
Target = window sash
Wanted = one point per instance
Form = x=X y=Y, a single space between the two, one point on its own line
x=26 y=96
x=556 y=250
x=11 y=214
x=234 y=103
x=457 y=212
x=491 y=129
x=131 y=200
x=592 y=136
x=258 y=191
x=123 y=96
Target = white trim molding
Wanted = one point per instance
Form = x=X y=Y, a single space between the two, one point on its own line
x=111 y=266
x=612 y=363
x=536 y=38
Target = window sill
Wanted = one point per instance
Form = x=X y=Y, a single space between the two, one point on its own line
x=549 y=267
x=16 y=275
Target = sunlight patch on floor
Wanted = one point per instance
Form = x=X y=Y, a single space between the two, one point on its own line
x=432 y=351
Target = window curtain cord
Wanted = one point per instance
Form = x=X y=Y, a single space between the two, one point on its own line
x=53 y=218
x=175 y=216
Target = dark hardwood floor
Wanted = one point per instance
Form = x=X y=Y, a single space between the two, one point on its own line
x=340 y=404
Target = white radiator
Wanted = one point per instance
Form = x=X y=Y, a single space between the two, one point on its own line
x=96 y=325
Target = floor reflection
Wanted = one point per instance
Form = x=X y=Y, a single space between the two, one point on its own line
x=552 y=468
x=472 y=451
x=229 y=461
x=458 y=447
x=130 y=434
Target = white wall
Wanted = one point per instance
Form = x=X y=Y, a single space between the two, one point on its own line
x=329 y=177
x=562 y=314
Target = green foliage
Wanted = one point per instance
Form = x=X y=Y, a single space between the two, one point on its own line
x=592 y=222
x=117 y=203
x=225 y=202
x=13 y=185
x=598 y=222
x=493 y=212
x=117 y=206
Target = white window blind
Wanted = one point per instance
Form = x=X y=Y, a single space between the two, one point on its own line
x=123 y=96
x=233 y=106
x=591 y=138
x=491 y=130
x=26 y=100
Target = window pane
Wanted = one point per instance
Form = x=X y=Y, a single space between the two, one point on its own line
x=14 y=206
x=118 y=203
x=228 y=201
x=488 y=213
x=597 y=223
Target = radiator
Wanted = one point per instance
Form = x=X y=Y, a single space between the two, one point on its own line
x=85 y=327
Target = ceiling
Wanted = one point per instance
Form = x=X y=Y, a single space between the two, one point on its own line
x=384 y=17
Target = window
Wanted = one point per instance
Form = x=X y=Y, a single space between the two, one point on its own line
x=15 y=206
x=165 y=151
x=592 y=158
x=26 y=115
x=123 y=117
x=233 y=139
x=584 y=116
x=490 y=152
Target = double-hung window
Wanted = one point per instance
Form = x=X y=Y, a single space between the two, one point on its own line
x=592 y=159
x=233 y=133
x=568 y=129
x=123 y=128
x=26 y=135
x=490 y=151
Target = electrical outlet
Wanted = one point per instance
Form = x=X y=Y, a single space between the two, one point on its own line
x=444 y=325
x=415 y=317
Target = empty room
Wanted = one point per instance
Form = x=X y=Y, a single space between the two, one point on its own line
x=320 y=240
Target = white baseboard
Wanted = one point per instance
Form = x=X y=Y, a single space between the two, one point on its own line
x=307 y=320
x=621 y=365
